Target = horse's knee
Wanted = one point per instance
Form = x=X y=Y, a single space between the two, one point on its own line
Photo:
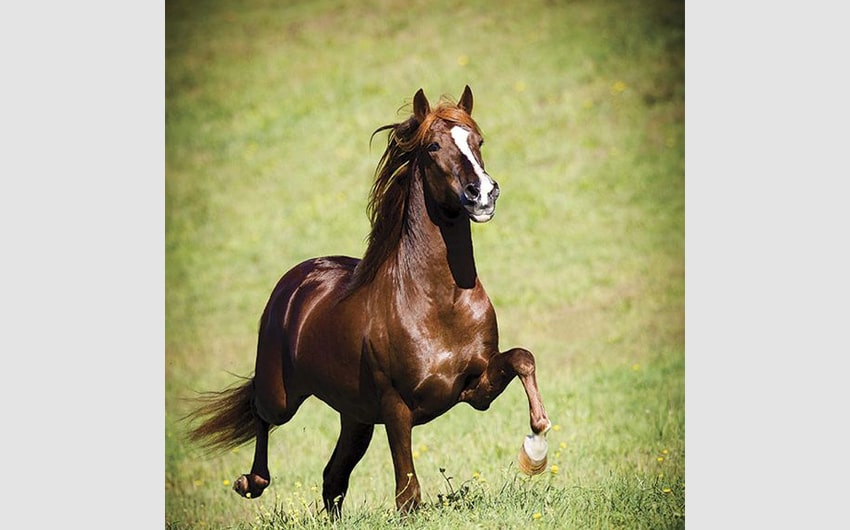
x=522 y=362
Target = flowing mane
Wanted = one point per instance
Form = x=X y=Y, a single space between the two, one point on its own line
x=394 y=176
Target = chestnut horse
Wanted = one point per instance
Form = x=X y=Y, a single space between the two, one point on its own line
x=396 y=338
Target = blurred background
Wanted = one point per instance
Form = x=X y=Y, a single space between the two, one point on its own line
x=269 y=111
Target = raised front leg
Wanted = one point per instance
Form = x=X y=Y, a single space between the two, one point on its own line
x=399 y=423
x=353 y=441
x=501 y=369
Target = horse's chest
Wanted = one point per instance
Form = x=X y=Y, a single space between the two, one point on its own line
x=438 y=372
x=445 y=334
x=437 y=352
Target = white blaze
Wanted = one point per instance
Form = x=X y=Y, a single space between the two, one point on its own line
x=461 y=138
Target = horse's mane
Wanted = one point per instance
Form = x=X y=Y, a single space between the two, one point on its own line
x=393 y=179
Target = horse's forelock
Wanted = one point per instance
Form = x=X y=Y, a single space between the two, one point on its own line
x=448 y=112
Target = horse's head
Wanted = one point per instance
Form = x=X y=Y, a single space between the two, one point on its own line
x=450 y=144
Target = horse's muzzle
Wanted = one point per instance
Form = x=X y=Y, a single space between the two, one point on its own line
x=480 y=200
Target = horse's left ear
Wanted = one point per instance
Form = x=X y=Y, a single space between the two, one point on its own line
x=466 y=100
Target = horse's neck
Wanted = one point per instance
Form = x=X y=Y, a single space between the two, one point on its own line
x=436 y=250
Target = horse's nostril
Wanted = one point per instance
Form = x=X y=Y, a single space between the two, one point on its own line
x=472 y=191
x=495 y=193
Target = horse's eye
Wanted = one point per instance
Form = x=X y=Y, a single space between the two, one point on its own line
x=433 y=146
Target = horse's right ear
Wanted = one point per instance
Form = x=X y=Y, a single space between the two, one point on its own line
x=421 y=107
x=466 y=100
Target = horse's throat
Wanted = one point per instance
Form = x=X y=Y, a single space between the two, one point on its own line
x=442 y=242
x=459 y=255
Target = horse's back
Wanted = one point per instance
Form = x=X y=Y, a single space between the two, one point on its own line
x=304 y=285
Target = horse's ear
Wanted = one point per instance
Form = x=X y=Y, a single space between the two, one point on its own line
x=421 y=107
x=466 y=100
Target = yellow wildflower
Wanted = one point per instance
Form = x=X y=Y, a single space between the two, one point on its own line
x=618 y=88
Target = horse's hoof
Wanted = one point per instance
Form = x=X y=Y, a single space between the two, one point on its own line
x=250 y=487
x=533 y=454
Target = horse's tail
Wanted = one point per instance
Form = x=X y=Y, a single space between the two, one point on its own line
x=228 y=418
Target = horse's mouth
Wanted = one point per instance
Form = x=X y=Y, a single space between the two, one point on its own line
x=480 y=215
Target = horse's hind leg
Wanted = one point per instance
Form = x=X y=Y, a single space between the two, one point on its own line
x=253 y=484
x=271 y=406
x=353 y=441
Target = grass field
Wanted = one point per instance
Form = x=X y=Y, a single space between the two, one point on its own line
x=269 y=111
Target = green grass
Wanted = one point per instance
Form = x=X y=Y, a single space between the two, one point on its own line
x=269 y=110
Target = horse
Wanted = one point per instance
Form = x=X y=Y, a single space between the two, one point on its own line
x=395 y=338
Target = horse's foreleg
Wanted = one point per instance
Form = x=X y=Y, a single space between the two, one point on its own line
x=399 y=422
x=253 y=484
x=500 y=371
x=353 y=441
